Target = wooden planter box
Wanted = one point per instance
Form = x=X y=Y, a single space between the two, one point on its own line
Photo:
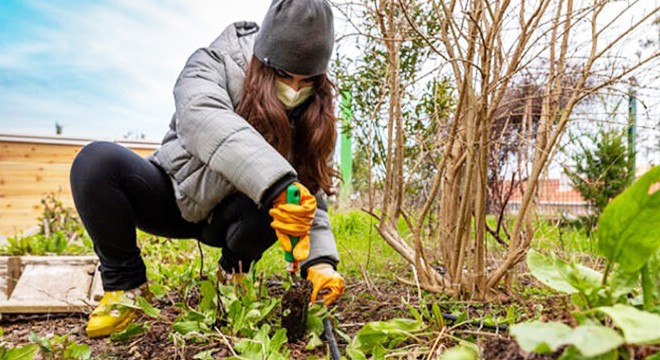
x=49 y=284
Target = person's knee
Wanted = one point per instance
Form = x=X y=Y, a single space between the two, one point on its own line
x=93 y=155
x=250 y=237
x=94 y=164
x=240 y=226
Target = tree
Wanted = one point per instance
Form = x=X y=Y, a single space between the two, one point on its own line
x=484 y=49
x=603 y=172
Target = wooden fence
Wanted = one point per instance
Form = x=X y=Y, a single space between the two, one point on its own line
x=32 y=167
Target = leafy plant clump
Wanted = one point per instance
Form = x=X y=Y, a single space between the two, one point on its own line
x=52 y=347
x=60 y=232
x=619 y=306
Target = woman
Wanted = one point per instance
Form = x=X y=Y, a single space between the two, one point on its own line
x=254 y=115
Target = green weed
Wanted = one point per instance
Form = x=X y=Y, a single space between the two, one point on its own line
x=60 y=233
x=625 y=294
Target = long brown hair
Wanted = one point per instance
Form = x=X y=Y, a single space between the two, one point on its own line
x=308 y=143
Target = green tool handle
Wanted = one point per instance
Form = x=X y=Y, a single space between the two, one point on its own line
x=292 y=197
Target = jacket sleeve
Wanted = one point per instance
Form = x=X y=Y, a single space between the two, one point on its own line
x=323 y=248
x=208 y=128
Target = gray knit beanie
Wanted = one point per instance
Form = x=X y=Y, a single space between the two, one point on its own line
x=296 y=36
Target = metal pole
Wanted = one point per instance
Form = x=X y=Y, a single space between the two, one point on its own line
x=632 y=129
x=346 y=160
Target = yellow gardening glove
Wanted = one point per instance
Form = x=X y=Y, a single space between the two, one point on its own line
x=327 y=282
x=294 y=220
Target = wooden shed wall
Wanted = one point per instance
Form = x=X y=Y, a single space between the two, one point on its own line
x=32 y=167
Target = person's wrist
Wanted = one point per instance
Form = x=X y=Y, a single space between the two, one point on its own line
x=268 y=199
x=320 y=260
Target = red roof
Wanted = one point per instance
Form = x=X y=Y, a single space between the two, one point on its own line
x=548 y=191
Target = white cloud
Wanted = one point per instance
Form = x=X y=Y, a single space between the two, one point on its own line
x=128 y=53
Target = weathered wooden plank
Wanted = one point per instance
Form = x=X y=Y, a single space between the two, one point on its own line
x=60 y=284
x=10 y=271
x=51 y=284
x=60 y=260
x=96 y=292
x=4 y=280
x=42 y=307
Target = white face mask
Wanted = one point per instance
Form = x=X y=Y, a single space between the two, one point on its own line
x=291 y=98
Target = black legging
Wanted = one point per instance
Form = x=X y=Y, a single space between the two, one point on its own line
x=116 y=190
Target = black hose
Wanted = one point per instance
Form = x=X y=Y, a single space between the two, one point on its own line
x=330 y=338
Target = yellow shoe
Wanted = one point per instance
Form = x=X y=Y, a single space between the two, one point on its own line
x=109 y=316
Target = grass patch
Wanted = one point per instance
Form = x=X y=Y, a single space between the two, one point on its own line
x=174 y=263
x=361 y=247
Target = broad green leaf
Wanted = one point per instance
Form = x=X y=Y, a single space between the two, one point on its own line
x=185 y=327
x=638 y=327
x=540 y=337
x=43 y=342
x=255 y=348
x=147 y=308
x=27 y=352
x=462 y=317
x=278 y=339
x=355 y=354
x=413 y=311
x=192 y=315
x=264 y=347
x=459 y=352
x=387 y=334
x=593 y=340
x=437 y=316
x=266 y=309
x=545 y=270
x=208 y=296
x=654 y=357
x=628 y=231
x=157 y=289
x=378 y=353
x=204 y=355
x=249 y=348
x=313 y=342
x=654 y=268
x=582 y=278
x=131 y=330
x=78 y=351
x=314 y=324
x=623 y=283
x=571 y=353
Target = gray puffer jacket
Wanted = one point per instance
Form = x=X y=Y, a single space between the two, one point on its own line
x=210 y=152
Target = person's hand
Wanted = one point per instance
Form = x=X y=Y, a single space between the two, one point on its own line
x=294 y=220
x=327 y=282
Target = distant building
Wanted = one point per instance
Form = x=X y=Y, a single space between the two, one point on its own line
x=554 y=197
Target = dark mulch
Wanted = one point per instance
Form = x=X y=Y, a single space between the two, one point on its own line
x=359 y=305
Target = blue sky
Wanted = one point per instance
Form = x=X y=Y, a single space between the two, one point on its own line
x=102 y=68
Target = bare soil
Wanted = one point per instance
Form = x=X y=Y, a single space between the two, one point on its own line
x=295 y=303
